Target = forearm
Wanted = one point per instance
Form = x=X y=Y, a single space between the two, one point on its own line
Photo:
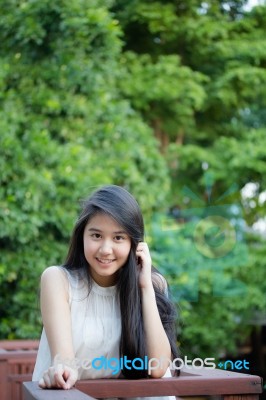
x=157 y=342
x=57 y=323
x=56 y=314
x=60 y=340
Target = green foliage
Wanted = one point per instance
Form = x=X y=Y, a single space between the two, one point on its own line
x=216 y=294
x=64 y=132
x=199 y=75
x=90 y=93
x=166 y=92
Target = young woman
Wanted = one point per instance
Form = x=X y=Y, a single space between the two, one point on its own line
x=106 y=310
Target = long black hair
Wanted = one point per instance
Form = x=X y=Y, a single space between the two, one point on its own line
x=119 y=204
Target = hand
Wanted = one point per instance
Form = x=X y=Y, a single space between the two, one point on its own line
x=144 y=262
x=59 y=376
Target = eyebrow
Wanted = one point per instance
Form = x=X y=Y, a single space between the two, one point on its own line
x=99 y=231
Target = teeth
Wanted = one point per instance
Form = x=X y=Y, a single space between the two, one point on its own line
x=105 y=261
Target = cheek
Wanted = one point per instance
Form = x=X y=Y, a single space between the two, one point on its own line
x=125 y=251
x=88 y=247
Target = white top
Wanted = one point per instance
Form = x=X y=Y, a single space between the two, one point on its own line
x=96 y=330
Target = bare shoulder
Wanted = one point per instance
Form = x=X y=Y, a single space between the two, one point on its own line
x=54 y=278
x=53 y=272
x=160 y=282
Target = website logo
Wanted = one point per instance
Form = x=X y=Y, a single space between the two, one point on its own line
x=118 y=364
x=206 y=237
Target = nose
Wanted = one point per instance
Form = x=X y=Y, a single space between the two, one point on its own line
x=106 y=248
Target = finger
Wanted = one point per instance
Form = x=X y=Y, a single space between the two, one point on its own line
x=142 y=246
x=47 y=380
x=58 y=377
x=70 y=376
x=140 y=252
x=41 y=383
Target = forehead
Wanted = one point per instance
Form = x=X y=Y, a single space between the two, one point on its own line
x=104 y=223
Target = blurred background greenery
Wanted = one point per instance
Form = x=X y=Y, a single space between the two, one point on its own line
x=166 y=98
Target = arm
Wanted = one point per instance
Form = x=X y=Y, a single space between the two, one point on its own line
x=158 y=345
x=57 y=324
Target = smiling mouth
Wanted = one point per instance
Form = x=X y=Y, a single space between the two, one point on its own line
x=103 y=261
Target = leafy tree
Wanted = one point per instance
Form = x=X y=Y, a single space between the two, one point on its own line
x=195 y=80
x=64 y=131
x=87 y=89
x=197 y=76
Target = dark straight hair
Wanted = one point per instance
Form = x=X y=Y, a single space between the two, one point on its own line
x=119 y=204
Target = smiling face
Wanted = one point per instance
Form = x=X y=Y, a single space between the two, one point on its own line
x=106 y=248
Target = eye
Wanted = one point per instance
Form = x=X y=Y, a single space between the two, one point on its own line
x=95 y=235
x=119 y=238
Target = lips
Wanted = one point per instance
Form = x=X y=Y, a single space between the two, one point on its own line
x=105 y=261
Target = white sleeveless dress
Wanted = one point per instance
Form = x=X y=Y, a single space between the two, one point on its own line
x=96 y=331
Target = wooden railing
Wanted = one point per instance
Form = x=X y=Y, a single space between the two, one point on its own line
x=204 y=382
x=17 y=359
